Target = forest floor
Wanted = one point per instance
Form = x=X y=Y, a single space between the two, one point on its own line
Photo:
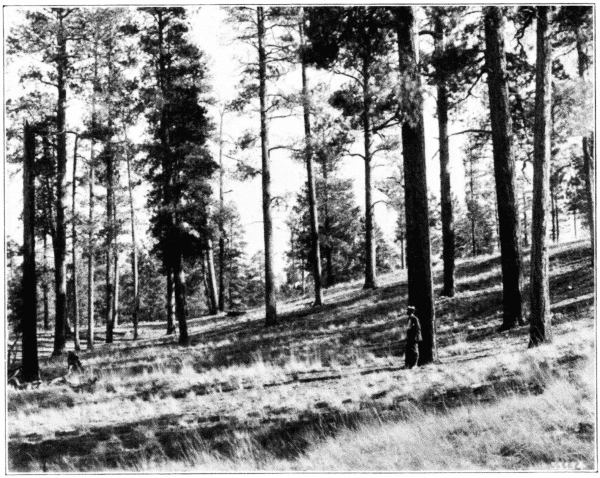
x=326 y=389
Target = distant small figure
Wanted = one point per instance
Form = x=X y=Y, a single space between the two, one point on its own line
x=73 y=363
x=413 y=337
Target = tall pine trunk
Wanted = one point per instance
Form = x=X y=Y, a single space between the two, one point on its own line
x=418 y=249
x=270 y=285
x=370 y=271
x=91 y=225
x=315 y=252
x=76 y=340
x=109 y=242
x=221 y=219
x=60 y=238
x=30 y=370
x=540 y=318
x=504 y=167
x=91 y=253
x=447 y=215
x=134 y=254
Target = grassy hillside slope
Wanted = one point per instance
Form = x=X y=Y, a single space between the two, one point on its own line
x=325 y=390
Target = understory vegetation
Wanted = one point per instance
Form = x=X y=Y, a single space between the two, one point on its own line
x=326 y=389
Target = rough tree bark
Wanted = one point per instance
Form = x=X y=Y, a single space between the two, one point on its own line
x=76 y=340
x=60 y=237
x=30 y=370
x=540 y=318
x=270 y=285
x=504 y=167
x=447 y=215
x=315 y=256
x=418 y=249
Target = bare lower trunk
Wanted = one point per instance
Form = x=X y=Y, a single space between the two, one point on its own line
x=170 y=303
x=45 y=286
x=180 y=298
x=504 y=167
x=77 y=343
x=418 y=249
x=116 y=281
x=540 y=324
x=402 y=261
x=109 y=244
x=30 y=370
x=270 y=285
x=212 y=282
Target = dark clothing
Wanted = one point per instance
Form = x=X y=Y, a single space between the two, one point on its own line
x=412 y=355
x=413 y=337
x=413 y=332
x=73 y=362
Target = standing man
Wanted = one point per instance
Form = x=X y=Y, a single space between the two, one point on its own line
x=413 y=337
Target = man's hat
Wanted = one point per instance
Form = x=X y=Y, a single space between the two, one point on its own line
x=410 y=308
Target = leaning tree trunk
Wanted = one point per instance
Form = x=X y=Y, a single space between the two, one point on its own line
x=270 y=285
x=315 y=256
x=134 y=255
x=418 y=249
x=540 y=318
x=30 y=370
x=74 y=252
x=504 y=167
x=60 y=238
x=447 y=215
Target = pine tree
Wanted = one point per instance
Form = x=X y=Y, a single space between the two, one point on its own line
x=418 y=248
x=540 y=326
x=504 y=167
x=178 y=160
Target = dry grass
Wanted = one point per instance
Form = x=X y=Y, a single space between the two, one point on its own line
x=325 y=389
